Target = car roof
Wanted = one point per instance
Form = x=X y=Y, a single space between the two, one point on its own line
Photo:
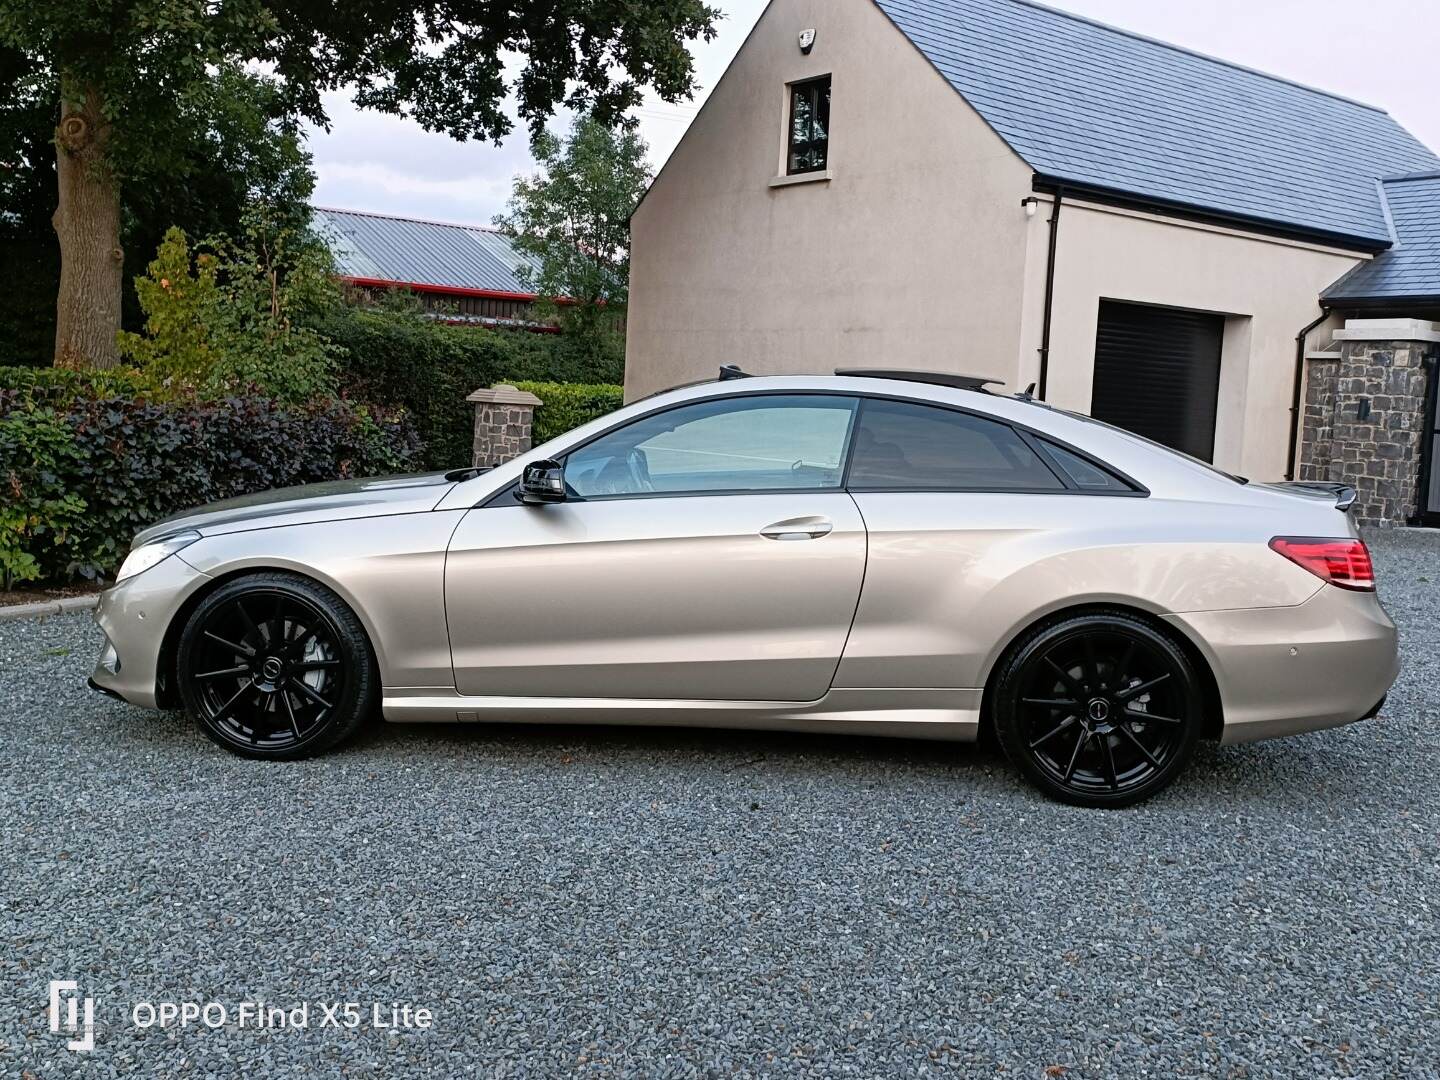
x=1164 y=473
x=1033 y=414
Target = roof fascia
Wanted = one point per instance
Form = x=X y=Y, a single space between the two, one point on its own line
x=1208 y=215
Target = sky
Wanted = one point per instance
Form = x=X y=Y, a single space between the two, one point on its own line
x=1381 y=52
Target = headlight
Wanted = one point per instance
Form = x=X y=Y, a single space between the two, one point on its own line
x=143 y=558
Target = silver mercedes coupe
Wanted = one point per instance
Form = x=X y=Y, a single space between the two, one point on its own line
x=884 y=553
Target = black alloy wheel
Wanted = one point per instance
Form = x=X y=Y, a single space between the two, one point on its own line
x=276 y=666
x=1098 y=710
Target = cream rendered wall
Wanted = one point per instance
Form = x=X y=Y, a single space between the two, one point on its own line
x=1269 y=288
x=912 y=254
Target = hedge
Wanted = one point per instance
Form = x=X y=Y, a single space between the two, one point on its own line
x=565 y=406
x=430 y=368
x=58 y=385
x=83 y=469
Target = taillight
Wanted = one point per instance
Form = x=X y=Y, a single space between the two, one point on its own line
x=1340 y=562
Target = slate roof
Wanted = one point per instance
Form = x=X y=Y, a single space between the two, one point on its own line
x=407 y=251
x=1102 y=108
x=1410 y=269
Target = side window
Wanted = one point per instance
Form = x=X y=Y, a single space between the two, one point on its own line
x=900 y=446
x=759 y=443
x=1085 y=475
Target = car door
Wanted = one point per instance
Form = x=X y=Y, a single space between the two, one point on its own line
x=951 y=500
x=705 y=551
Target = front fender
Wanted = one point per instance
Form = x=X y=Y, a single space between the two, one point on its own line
x=389 y=570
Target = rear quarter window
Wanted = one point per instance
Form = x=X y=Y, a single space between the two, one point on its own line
x=1083 y=473
x=904 y=446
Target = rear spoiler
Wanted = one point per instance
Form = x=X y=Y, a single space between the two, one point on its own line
x=1343 y=494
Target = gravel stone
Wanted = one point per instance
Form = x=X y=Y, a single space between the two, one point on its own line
x=683 y=903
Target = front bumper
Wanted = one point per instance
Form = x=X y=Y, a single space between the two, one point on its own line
x=1287 y=670
x=93 y=685
x=134 y=617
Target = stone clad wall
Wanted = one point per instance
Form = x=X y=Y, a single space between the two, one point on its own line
x=1363 y=421
x=1318 y=418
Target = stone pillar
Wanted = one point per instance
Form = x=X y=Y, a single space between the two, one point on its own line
x=504 y=424
x=1364 y=415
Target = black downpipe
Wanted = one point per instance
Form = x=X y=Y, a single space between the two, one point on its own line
x=1298 y=391
x=1049 y=293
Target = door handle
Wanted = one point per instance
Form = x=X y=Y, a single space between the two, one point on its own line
x=801 y=528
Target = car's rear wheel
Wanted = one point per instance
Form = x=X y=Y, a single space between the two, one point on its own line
x=1098 y=709
x=276 y=666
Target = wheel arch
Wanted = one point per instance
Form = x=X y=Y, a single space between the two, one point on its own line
x=167 y=693
x=1209 y=686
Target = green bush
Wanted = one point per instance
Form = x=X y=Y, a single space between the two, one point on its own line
x=36 y=512
x=82 y=468
x=565 y=406
x=430 y=368
x=233 y=314
x=50 y=385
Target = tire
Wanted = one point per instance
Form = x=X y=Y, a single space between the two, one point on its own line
x=276 y=666
x=1098 y=710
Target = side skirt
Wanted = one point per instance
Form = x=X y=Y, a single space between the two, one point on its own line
x=912 y=714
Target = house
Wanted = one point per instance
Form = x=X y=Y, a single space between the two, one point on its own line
x=1150 y=235
x=463 y=273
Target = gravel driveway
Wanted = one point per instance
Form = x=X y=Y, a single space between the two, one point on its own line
x=613 y=901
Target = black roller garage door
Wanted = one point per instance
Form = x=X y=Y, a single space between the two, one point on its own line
x=1157 y=373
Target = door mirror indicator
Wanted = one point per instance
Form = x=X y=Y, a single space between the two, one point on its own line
x=542 y=482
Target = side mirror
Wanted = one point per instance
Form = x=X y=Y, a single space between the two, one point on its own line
x=542 y=482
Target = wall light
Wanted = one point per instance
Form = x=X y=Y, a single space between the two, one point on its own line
x=1031 y=205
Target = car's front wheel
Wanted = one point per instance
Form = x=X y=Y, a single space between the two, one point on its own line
x=1098 y=709
x=274 y=665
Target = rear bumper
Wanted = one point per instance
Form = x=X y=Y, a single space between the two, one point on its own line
x=1283 y=671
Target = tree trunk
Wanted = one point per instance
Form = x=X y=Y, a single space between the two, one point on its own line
x=87 y=222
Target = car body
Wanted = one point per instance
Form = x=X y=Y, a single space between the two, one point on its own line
x=813 y=553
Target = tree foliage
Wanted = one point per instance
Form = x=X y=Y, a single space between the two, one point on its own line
x=130 y=80
x=239 y=313
x=573 y=218
x=442 y=62
x=230 y=155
